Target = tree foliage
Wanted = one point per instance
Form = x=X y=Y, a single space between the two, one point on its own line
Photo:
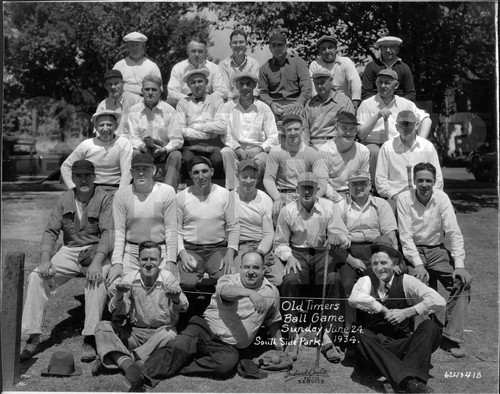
x=440 y=39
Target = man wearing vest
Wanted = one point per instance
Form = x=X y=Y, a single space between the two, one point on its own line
x=386 y=304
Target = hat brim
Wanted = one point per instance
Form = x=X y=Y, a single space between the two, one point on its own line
x=358 y=179
x=371 y=249
x=307 y=183
x=78 y=371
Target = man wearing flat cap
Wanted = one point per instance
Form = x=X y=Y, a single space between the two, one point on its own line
x=284 y=81
x=197 y=58
x=153 y=128
x=83 y=214
x=250 y=129
x=136 y=65
x=398 y=156
x=110 y=153
x=118 y=100
x=343 y=155
x=345 y=77
x=287 y=161
x=196 y=118
x=377 y=116
x=387 y=304
x=237 y=63
x=321 y=110
x=389 y=48
x=305 y=228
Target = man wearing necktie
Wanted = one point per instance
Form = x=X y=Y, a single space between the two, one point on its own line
x=387 y=302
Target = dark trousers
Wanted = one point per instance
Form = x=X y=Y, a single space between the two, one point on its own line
x=196 y=351
x=399 y=359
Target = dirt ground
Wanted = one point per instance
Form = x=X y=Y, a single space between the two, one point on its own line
x=24 y=215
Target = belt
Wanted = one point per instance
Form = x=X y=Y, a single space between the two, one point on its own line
x=136 y=243
x=106 y=184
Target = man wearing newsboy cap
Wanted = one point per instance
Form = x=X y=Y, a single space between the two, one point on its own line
x=136 y=65
x=84 y=216
x=389 y=49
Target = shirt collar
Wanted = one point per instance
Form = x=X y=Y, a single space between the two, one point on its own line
x=252 y=107
x=398 y=60
x=241 y=65
x=274 y=61
x=316 y=207
x=331 y=97
x=370 y=201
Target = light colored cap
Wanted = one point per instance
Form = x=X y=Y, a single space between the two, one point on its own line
x=388 y=40
x=246 y=164
x=322 y=72
x=114 y=114
x=307 y=178
x=135 y=36
x=358 y=175
x=245 y=74
x=202 y=71
x=389 y=73
x=406 y=116
x=326 y=38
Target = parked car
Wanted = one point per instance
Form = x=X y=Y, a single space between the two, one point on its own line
x=483 y=163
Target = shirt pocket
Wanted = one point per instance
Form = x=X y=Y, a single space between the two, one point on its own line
x=93 y=223
x=68 y=220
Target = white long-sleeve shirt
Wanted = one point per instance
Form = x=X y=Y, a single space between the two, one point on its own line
x=427 y=225
x=134 y=72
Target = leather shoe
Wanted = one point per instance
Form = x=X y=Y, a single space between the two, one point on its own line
x=416 y=386
x=133 y=376
x=29 y=351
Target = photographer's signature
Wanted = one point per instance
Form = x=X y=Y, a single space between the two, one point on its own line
x=308 y=375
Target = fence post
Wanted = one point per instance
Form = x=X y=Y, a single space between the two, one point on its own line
x=12 y=304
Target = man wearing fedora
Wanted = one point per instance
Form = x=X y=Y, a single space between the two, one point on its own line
x=111 y=154
x=118 y=100
x=146 y=210
x=153 y=128
x=304 y=230
x=343 y=155
x=387 y=303
x=367 y=218
x=377 y=116
x=345 y=77
x=251 y=129
x=84 y=216
x=389 y=60
x=196 y=119
x=321 y=110
x=136 y=65
x=150 y=299
x=210 y=346
x=425 y=215
x=284 y=81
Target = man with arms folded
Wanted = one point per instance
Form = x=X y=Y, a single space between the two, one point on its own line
x=343 y=155
x=389 y=48
x=425 y=215
x=398 y=156
x=322 y=108
x=284 y=81
x=84 y=216
x=111 y=153
x=287 y=161
x=377 y=116
x=119 y=100
x=367 y=218
x=143 y=211
x=237 y=63
x=251 y=129
x=210 y=345
x=345 y=78
x=254 y=211
x=152 y=300
x=387 y=302
x=208 y=230
x=304 y=228
x=197 y=58
x=136 y=65
x=196 y=112
x=153 y=128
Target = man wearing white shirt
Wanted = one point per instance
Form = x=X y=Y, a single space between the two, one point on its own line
x=377 y=116
x=251 y=129
x=342 y=69
x=398 y=156
x=386 y=303
x=425 y=215
x=197 y=58
x=136 y=65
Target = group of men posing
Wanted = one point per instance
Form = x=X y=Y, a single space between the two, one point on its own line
x=261 y=211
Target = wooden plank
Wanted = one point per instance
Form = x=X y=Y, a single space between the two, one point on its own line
x=12 y=306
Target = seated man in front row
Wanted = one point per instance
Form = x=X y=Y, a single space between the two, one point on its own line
x=209 y=346
x=84 y=216
x=151 y=299
x=425 y=216
x=386 y=303
x=303 y=230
